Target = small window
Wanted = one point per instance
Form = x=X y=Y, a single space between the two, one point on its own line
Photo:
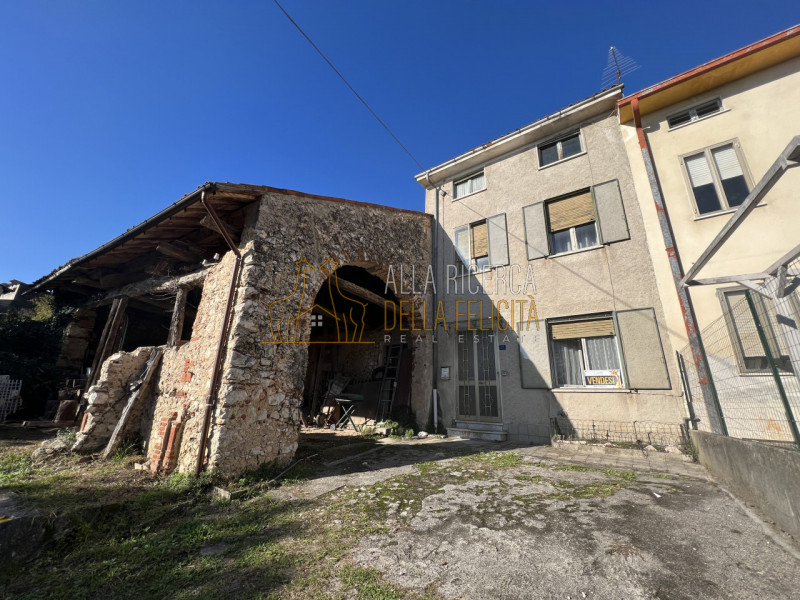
x=573 y=224
x=747 y=345
x=560 y=149
x=470 y=185
x=483 y=244
x=695 y=113
x=717 y=178
x=585 y=353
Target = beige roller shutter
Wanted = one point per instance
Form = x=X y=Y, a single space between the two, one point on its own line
x=572 y=211
x=480 y=240
x=582 y=329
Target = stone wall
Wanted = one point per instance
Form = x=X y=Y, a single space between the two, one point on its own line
x=258 y=415
x=173 y=422
x=108 y=396
x=76 y=340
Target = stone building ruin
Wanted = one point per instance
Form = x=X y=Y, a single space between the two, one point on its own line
x=209 y=329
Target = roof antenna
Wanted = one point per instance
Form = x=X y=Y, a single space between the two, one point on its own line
x=618 y=65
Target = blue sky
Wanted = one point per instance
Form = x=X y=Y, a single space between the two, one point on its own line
x=110 y=111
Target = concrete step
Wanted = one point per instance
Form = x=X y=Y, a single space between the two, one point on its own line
x=473 y=433
x=480 y=426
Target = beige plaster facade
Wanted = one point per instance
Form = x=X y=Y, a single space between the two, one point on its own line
x=611 y=278
x=759 y=115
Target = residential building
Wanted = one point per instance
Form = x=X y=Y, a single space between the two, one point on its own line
x=551 y=318
x=710 y=135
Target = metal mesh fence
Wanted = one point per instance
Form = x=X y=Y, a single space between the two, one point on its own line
x=751 y=380
x=636 y=432
x=10 y=399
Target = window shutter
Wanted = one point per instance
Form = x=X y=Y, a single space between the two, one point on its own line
x=641 y=345
x=534 y=361
x=461 y=237
x=480 y=240
x=581 y=329
x=727 y=162
x=699 y=172
x=536 y=238
x=610 y=212
x=572 y=211
x=498 y=240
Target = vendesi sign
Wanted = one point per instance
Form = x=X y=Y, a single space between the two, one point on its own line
x=610 y=378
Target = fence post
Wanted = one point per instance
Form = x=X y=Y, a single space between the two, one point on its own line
x=689 y=400
x=773 y=367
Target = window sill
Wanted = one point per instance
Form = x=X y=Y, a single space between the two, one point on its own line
x=467 y=195
x=719 y=213
x=578 y=251
x=563 y=160
x=593 y=390
x=711 y=116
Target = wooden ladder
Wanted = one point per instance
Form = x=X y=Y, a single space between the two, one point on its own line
x=391 y=368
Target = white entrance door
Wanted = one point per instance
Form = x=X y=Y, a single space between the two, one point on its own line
x=478 y=393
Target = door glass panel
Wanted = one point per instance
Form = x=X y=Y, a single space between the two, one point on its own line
x=478 y=396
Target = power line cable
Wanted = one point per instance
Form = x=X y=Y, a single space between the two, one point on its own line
x=347 y=83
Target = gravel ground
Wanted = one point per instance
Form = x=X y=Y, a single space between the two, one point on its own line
x=524 y=524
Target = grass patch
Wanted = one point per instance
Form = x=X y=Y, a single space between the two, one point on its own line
x=120 y=533
x=626 y=475
x=502 y=460
x=15 y=466
x=579 y=468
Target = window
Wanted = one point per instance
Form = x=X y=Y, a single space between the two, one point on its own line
x=580 y=220
x=717 y=178
x=483 y=244
x=560 y=149
x=585 y=345
x=628 y=343
x=747 y=345
x=470 y=185
x=695 y=113
x=572 y=223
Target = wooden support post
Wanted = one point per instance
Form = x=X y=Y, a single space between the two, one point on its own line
x=108 y=337
x=176 y=325
x=138 y=387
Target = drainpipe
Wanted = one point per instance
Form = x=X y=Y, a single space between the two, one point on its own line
x=435 y=352
x=211 y=400
x=687 y=309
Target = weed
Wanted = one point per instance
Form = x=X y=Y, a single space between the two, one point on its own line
x=15 y=466
x=580 y=468
x=494 y=459
x=408 y=434
x=367 y=583
x=68 y=436
x=128 y=447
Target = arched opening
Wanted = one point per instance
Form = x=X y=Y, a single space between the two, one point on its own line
x=357 y=373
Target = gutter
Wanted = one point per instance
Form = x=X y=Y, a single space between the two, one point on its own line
x=435 y=351
x=717 y=421
x=211 y=400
